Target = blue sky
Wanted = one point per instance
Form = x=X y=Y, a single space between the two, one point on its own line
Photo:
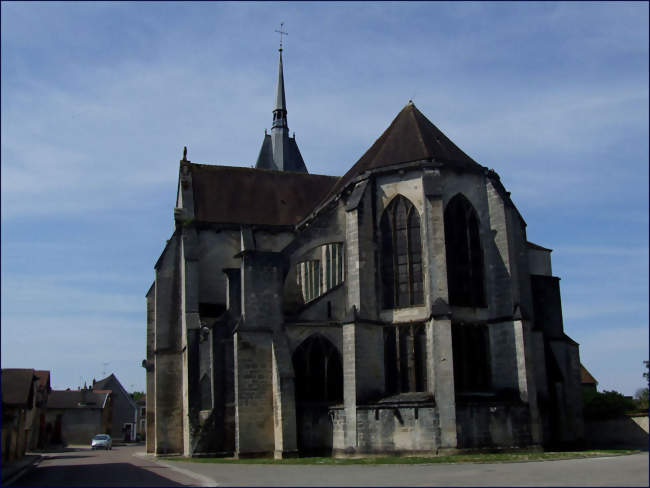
x=98 y=100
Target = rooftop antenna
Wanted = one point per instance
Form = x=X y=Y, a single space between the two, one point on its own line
x=104 y=368
x=282 y=33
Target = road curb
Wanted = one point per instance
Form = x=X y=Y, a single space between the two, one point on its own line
x=203 y=480
x=23 y=470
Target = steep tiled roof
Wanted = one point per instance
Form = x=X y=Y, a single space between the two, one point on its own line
x=586 y=378
x=17 y=387
x=236 y=195
x=410 y=137
x=293 y=159
x=43 y=379
x=77 y=398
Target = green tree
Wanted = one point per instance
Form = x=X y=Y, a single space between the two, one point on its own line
x=137 y=395
x=641 y=398
x=607 y=405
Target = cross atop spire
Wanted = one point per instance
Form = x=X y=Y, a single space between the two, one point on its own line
x=282 y=33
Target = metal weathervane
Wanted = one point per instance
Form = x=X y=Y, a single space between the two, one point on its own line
x=282 y=33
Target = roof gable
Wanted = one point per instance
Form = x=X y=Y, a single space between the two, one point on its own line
x=17 y=387
x=111 y=383
x=410 y=137
x=43 y=379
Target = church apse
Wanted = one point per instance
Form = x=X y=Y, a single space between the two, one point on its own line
x=384 y=311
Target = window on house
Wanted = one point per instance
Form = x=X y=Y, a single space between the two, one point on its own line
x=464 y=254
x=470 y=345
x=317 y=276
x=405 y=358
x=401 y=255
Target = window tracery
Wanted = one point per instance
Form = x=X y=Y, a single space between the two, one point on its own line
x=401 y=255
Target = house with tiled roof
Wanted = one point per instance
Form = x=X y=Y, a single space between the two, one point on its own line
x=588 y=382
x=124 y=424
x=18 y=407
x=397 y=309
x=75 y=416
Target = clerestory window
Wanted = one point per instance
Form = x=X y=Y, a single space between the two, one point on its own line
x=317 y=276
x=401 y=255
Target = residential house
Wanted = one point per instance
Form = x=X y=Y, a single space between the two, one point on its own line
x=75 y=416
x=18 y=407
x=125 y=417
x=39 y=431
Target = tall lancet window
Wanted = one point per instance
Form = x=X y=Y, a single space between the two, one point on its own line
x=401 y=255
x=464 y=254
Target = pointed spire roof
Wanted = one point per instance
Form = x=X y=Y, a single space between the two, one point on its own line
x=279 y=151
x=280 y=101
x=410 y=137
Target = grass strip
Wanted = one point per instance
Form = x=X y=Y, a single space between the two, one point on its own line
x=501 y=457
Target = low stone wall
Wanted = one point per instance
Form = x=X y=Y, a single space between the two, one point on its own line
x=389 y=429
x=627 y=432
x=493 y=424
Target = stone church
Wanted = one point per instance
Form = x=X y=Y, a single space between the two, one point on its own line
x=397 y=309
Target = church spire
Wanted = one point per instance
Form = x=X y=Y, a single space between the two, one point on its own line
x=279 y=151
x=280 y=110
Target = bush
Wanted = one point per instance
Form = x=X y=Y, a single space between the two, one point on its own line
x=607 y=405
x=641 y=399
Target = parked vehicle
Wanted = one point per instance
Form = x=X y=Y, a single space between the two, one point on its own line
x=101 y=441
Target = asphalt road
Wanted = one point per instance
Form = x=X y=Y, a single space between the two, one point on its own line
x=117 y=467
x=128 y=466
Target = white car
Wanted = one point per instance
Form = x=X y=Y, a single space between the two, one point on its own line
x=101 y=441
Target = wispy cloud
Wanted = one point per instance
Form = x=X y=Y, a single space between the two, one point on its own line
x=98 y=100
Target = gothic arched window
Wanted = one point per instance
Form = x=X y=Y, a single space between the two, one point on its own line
x=464 y=254
x=319 y=371
x=401 y=255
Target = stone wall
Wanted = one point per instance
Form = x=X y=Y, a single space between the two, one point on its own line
x=78 y=426
x=149 y=368
x=254 y=394
x=620 y=433
x=168 y=365
x=381 y=429
x=493 y=424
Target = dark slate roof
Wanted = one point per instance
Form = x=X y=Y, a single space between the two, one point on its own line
x=265 y=158
x=586 y=378
x=532 y=245
x=112 y=383
x=101 y=384
x=236 y=195
x=410 y=137
x=293 y=162
x=77 y=398
x=17 y=387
